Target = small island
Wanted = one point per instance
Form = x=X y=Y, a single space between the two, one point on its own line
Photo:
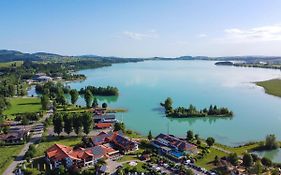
x=224 y=63
x=191 y=111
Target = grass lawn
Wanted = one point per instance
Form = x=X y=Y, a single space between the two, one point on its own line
x=128 y=158
x=7 y=154
x=272 y=87
x=133 y=134
x=138 y=167
x=68 y=141
x=239 y=150
x=8 y=64
x=22 y=105
x=206 y=162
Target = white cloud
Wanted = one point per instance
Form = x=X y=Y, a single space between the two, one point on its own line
x=140 y=36
x=202 y=35
x=263 y=33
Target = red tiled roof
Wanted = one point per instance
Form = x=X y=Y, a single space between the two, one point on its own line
x=103 y=125
x=59 y=152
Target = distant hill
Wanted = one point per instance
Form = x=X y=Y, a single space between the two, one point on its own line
x=12 y=55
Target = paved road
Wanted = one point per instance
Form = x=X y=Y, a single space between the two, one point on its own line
x=19 y=159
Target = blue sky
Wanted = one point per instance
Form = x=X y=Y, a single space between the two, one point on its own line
x=142 y=28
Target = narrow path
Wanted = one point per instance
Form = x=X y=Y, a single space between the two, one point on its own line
x=19 y=159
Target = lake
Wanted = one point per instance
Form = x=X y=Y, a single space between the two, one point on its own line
x=144 y=85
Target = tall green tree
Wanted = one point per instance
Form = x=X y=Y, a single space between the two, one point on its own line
x=233 y=159
x=210 y=141
x=104 y=105
x=77 y=124
x=68 y=123
x=87 y=122
x=119 y=126
x=24 y=120
x=45 y=102
x=271 y=142
x=95 y=103
x=74 y=96
x=247 y=160
x=57 y=122
x=258 y=168
x=4 y=104
x=61 y=99
x=149 y=135
x=189 y=136
x=189 y=172
x=168 y=104
x=88 y=98
x=266 y=161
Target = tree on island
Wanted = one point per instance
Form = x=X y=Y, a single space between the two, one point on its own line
x=57 y=122
x=45 y=101
x=74 y=96
x=88 y=98
x=196 y=137
x=95 y=103
x=191 y=111
x=271 y=142
x=168 y=104
x=210 y=141
x=189 y=136
x=247 y=160
x=149 y=135
x=87 y=122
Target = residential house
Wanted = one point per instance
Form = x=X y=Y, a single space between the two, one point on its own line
x=103 y=125
x=104 y=118
x=14 y=136
x=59 y=154
x=116 y=140
x=173 y=146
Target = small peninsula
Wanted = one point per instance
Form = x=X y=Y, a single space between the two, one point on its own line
x=191 y=111
x=272 y=87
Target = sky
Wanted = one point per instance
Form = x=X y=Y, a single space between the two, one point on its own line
x=143 y=28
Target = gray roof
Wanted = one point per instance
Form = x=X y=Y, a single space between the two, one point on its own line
x=99 y=117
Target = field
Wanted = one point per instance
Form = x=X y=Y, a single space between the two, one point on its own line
x=138 y=167
x=272 y=87
x=22 y=105
x=43 y=146
x=8 y=64
x=239 y=150
x=206 y=162
x=8 y=154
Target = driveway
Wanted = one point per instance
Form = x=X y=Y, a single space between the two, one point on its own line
x=19 y=159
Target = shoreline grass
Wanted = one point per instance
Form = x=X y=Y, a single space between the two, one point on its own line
x=272 y=87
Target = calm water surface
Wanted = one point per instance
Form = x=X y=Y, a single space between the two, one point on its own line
x=144 y=85
x=274 y=155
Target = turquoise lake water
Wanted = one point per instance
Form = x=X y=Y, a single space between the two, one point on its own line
x=144 y=85
x=274 y=155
